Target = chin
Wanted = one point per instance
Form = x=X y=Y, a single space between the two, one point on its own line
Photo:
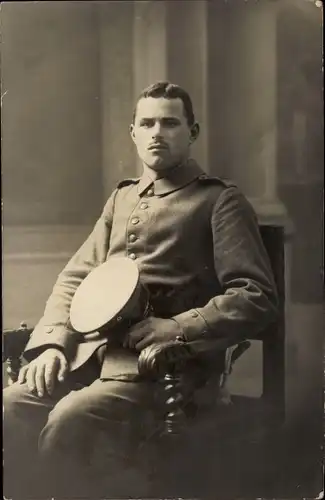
x=157 y=164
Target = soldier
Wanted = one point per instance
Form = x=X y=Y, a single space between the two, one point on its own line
x=196 y=243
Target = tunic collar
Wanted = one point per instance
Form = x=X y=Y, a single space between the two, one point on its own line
x=175 y=178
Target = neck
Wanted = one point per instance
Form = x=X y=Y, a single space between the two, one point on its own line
x=154 y=175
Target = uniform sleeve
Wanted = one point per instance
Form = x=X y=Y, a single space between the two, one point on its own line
x=53 y=329
x=249 y=301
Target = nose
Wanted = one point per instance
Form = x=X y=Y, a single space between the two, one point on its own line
x=156 y=130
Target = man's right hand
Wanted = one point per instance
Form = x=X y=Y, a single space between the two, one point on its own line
x=42 y=373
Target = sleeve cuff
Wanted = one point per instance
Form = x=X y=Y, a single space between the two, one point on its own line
x=192 y=324
x=46 y=336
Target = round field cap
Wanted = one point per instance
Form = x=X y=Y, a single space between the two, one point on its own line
x=103 y=294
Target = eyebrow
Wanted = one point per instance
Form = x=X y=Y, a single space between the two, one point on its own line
x=164 y=118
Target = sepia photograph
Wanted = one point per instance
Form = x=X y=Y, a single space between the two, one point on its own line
x=162 y=240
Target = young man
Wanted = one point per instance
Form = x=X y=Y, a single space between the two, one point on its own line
x=197 y=245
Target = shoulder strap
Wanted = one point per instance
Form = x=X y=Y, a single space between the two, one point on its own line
x=204 y=178
x=127 y=182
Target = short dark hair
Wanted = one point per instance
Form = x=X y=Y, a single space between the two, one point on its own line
x=169 y=90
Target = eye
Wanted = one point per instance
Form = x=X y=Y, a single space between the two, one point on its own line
x=146 y=123
x=171 y=123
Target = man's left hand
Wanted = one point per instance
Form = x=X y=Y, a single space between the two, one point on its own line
x=151 y=331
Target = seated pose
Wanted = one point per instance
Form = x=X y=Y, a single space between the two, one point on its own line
x=197 y=246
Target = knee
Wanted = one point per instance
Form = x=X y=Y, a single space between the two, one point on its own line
x=13 y=396
x=10 y=397
x=9 y=412
x=17 y=426
x=76 y=421
x=64 y=427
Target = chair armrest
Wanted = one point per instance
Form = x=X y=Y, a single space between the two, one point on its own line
x=158 y=359
x=14 y=343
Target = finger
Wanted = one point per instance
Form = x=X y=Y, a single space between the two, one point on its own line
x=131 y=339
x=134 y=339
x=145 y=342
x=140 y=324
x=30 y=378
x=63 y=370
x=22 y=374
x=49 y=376
x=136 y=334
x=126 y=341
x=141 y=328
x=40 y=380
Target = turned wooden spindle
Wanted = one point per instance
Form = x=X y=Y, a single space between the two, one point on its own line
x=175 y=416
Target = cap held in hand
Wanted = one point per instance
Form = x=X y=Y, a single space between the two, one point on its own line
x=109 y=295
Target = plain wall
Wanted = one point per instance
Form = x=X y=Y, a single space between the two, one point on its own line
x=51 y=127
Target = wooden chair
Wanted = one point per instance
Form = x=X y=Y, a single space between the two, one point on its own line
x=184 y=416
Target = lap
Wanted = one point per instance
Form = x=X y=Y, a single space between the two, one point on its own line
x=104 y=402
x=105 y=390
x=100 y=397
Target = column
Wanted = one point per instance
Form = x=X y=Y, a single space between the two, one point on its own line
x=251 y=114
x=217 y=89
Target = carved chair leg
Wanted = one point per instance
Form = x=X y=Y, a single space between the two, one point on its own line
x=175 y=416
x=170 y=463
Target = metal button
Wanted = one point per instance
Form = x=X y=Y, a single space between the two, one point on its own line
x=143 y=206
x=132 y=237
x=132 y=256
x=150 y=192
x=194 y=314
x=135 y=220
x=49 y=329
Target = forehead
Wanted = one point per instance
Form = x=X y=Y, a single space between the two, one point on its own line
x=159 y=107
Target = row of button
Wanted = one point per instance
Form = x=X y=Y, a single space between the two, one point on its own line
x=136 y=220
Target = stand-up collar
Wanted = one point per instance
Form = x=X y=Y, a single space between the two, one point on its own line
x=175 y=178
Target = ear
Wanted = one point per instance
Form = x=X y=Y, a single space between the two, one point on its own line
x=131 y=130
x=194 y=132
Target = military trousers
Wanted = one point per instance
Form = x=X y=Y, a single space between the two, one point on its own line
x=84 y=441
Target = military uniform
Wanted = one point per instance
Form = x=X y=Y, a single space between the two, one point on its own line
x=196 y=242
x=198 y=248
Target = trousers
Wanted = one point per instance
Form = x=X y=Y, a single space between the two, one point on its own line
x=83 y=441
